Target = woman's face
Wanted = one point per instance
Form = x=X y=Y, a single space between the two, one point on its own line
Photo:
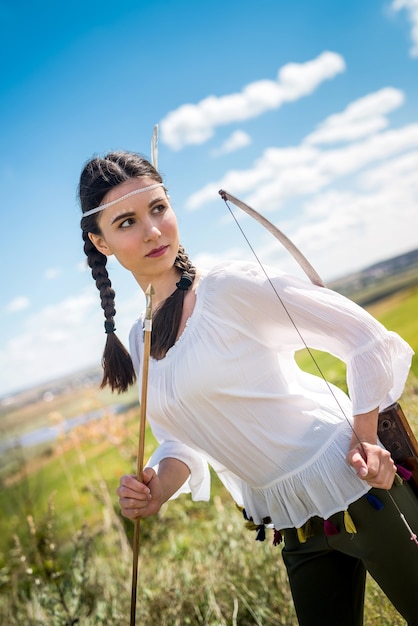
x=141 y=231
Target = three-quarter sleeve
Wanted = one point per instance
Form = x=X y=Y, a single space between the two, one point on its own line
x=377 y=360
x=198 y=483
x=288 y=314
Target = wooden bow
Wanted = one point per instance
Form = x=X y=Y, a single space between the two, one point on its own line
x=393 y=415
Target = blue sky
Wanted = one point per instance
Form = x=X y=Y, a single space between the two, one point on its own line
x=308 y=111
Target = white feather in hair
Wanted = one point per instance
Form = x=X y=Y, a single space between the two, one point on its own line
x=154 y=147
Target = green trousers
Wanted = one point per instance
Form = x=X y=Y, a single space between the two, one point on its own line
x=327 y=573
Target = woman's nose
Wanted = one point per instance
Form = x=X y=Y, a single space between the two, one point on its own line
x=151 y=231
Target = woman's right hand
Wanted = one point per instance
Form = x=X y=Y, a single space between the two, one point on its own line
x=140 y=499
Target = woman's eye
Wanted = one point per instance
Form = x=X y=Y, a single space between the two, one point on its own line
x=159 y=208
x=128 y=222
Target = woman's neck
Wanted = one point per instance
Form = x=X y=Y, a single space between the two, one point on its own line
x=162 y=286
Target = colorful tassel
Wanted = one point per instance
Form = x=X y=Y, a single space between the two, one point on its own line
x=277 y=537
x=261 y=534
x=330 y=529
x=260 y=528
x=305 y=531
x=301 y=535
x=375 y=502
x=349 y=524
x=403 y=472
x=250 y=525
x=307 y=527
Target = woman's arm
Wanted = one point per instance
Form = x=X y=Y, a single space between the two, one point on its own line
x=371 y=462
x=141 y=499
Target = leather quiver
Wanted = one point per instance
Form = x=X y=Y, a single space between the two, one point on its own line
x=395 y=433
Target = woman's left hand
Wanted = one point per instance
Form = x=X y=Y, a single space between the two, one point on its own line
x=372 y=464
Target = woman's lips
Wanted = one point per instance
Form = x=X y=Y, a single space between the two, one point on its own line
x=157 y=252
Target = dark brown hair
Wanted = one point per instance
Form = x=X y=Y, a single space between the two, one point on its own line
x=99 y=176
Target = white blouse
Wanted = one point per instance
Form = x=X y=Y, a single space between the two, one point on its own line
x=229 y=392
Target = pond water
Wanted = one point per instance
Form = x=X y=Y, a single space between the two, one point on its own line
x=50 y=433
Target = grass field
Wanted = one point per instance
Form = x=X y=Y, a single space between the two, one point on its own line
x=65 y=556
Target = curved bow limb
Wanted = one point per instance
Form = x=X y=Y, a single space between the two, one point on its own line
x=310 y=271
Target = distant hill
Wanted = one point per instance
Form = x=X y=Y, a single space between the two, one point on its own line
x=89 y=377
x=380 y=280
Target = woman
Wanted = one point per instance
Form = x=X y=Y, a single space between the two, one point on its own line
x=224 y=389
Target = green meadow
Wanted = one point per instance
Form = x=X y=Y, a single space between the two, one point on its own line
x=65 y=551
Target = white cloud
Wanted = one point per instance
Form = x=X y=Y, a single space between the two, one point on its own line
x=326 y=167
x=272 y=161
x=50 y=344
x=237 y=180
x=195 y=123
x=18 y=304
x=345 y=231
x=52 y=272
x=346 y=206
x=361 y=118
x=403 y=169
x=37 y=353
x=238 y=139
x=59 y=339
x=294 y=171
x=82 y=266
x=411 y=6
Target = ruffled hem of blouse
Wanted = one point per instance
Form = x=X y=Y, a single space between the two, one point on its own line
x=291 y=501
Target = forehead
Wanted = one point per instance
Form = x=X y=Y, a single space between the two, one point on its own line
x=125 y=204
x=126 y=187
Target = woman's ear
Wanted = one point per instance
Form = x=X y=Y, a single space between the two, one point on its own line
x=100 y=244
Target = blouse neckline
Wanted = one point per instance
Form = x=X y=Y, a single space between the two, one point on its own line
x=191 y=320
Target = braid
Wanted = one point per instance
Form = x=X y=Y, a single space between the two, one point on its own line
x=118 y=370
x=167 y=318
x=97 y=262
x=183 y=262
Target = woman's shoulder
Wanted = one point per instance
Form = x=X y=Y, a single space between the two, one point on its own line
x=232 y=284
x=232 y=271
x=233 y=275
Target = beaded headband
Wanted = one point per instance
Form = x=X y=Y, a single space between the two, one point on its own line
x=127 y=195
